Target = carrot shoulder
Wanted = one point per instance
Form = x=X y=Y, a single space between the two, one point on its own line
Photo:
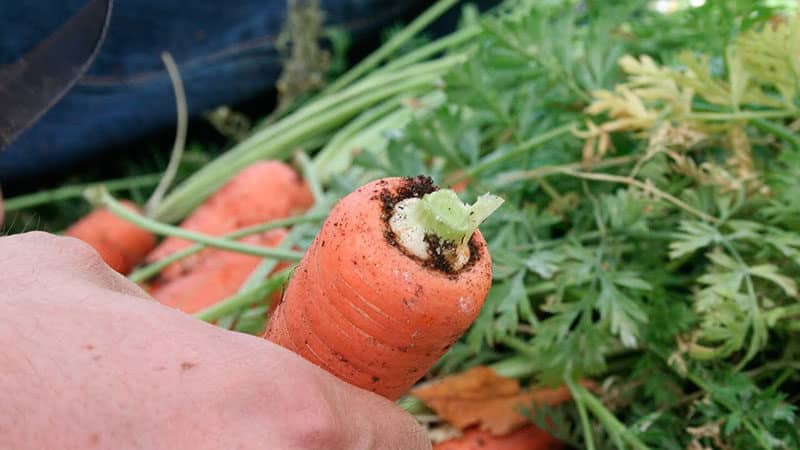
x=363 y=309
x=264 y=191
x=121 y=244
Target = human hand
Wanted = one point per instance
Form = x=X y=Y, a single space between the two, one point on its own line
x=88 y=360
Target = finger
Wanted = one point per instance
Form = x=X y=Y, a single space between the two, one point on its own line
x=60 y=261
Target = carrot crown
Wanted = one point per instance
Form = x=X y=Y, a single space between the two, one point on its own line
x=444 y=214
x=437 y=227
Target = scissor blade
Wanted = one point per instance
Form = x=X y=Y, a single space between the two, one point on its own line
x=30 y=86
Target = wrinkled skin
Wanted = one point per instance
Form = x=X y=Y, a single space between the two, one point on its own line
x=88 y=360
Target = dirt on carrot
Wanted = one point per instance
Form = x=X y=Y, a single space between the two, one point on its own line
x=361 y=308
x=121 y=244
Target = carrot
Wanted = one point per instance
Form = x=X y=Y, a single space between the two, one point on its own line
x=370 y=305
x=121 y=244
x=263 y=191
x=216 y=277
x=529 y=437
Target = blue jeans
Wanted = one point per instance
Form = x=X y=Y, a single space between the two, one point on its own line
x=224 y=50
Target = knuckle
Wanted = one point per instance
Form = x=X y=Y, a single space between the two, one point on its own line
x=322 y=427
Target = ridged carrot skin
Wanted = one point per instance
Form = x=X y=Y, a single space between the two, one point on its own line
x=215 y=278
x=360 y=308
x=529 y=437
x=264 y=191
x=121 y=244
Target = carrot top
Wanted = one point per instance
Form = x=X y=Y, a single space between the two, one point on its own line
x=439 y=225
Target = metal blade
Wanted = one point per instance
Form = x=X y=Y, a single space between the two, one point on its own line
x=30 y=86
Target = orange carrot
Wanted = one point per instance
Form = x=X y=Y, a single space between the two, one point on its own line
x=216 y=277
x=121 y=244
x=264 y=191
x=529 y=437
x=363 y=309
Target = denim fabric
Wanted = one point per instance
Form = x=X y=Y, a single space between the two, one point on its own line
x=224 y=50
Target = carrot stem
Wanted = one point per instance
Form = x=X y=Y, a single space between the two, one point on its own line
x=150 y=270
x=310 y=176
x=441 y=213
x=266 y=266
x=492 y=161
x=397 y=41
x=180 y=134
x=285 y=135
x=77 y=190
x=100 y=196
x=779 y=131
x=605 y=416
x=454 y=39
x=588 y=438
x=244 y=299
x=445 y=214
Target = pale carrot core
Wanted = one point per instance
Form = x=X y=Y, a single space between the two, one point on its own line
x=440 y=225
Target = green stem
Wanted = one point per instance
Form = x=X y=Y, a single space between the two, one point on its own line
x=284 y=136
x=442 y=213
x=514 y=367
x=776 y=314
x=780 y=131
x=517 y=345
x=452 y=40
x=526 y=146
x=245 y=299
x=77 y=190
x=150 y=270
x=612 y=424
x=546 y=171
x=588 y=437
x=180 y=135
x=742 y=115
x=268 y=265
x=756 y=315
x=100 y=196
x=327 y=160
x=310 y=176
x=397 y=41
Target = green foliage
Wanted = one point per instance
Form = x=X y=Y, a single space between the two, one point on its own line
x=601 y=276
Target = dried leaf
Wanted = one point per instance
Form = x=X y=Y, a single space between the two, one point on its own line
x=480 y=397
